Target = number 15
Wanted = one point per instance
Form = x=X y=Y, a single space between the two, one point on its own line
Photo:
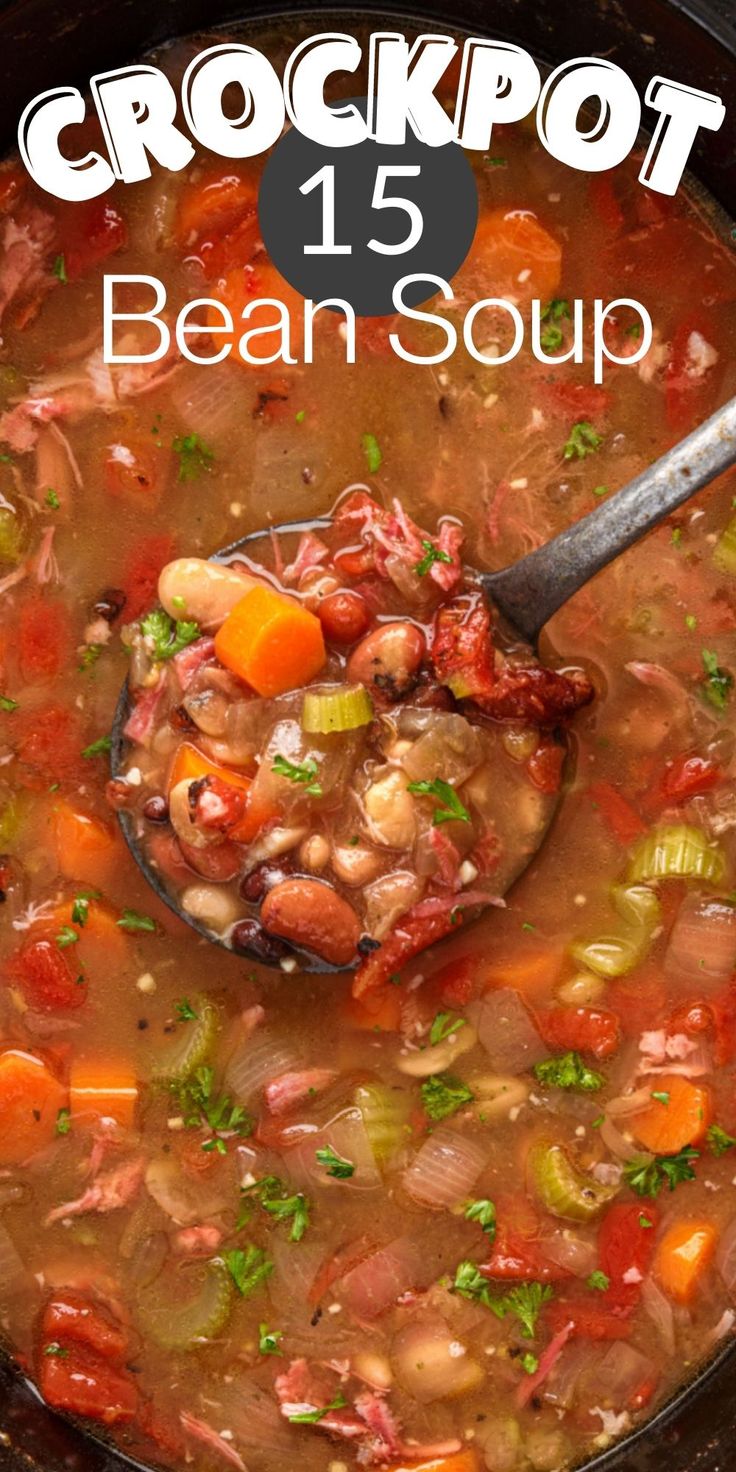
x=324 y=179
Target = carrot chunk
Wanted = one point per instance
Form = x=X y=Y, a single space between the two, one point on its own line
x=665 y=1128
x=189 y=765
x=87 y=849
x=683 y=1256
x=103 y=1088
x=30 y=1100
x=271 y=642
x=515 y=256
x=464 y=1461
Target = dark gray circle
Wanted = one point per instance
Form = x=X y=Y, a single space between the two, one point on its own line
x=444 y=190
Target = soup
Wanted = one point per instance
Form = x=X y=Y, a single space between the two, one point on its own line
x=471 y=1209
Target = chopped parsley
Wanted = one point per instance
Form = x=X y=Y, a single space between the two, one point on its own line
x=676 y=538
x=719 y=683
x=185 y=1011
x=269 y=1192
x=63 y=1122
x=552 y=337
x=310 y=1418
x=56 y=1351
x=525 y=1301
x=569 y=1072
x=599 y=1281
x=51 y=499
x=194 y=456
x=484 y=1213
x=89 y=656
x=80 y=909
x=600 y=490
x=168 y=638
x=444 y=1095
x=719 y=1141
x=661 y=1096
x=645 y=1223
x=445 y=1025
x=202 y=1108
x=372 y=452
x=59 y=269
x=131 y=920
x=494 y=163
x=269 y=1340
x=300 y=416
x=647 y=1177
x=581 y=441
x=67 y=936
x=691 y=622
x=432 y=554
x=7 y=704
x=334 y=1164
x=450 y=807
x=248 y=1268
x=99 y=747
x=304 y=772
x=529 y=1364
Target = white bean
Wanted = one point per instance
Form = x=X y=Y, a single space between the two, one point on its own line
x=437 y=1058
x=354 y=865
x=390 y=810
x=497 y=1094
x=314 y=853
x=215 y=907
x=192 y=588
x=582 y=990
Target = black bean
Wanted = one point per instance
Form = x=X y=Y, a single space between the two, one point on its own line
x=256 y=884
x=249 y=935
x=109 y=605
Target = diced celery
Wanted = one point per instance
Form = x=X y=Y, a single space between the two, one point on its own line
x=190 y=1325
x=385 y=1112
x=14 y=532
x=344 y=708
x=609 y=955
x=562 y=1189
x=191 y=1046
x=10 y=817
x=677 y=852
x=724 y=552
x=637 y=905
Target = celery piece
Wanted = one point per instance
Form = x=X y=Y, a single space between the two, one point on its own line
x=344 y=708
x=191 y=1045
x=724 y=552
x=190 y=1325
x=10 y=819
x=563 y=1189
x=385 y=1113
x=637 y=906
x=608 y=955
x=15 y=531
x=677 y=852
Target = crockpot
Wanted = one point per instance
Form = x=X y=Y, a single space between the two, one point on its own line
x=44 y=43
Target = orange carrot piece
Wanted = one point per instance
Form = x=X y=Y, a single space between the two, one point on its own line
x=212 y=205
x=102 y=944
x=189 y=765
x=30 y=1100
x=271 y=642
x=464 y=1461
x=103 y=1088
x=87 y=849
x=378 y=1011
x=239 y=289
x=683 y=1256
x=533 y=971
x=666 y=1128
x=507 y=244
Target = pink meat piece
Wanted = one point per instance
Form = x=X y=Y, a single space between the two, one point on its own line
x=384 y=1438
x=304 y=1388
x=448 y=859
x=200 y=1241
x=430 y=1451
x=107 y=1193
x=189 y=660
x=290 y=1089
x=449 y=541
x=309 y=554
x=140 y=722
x=547 y=1360
x=380 y=1279
x=212 y=1439
x=27 y=241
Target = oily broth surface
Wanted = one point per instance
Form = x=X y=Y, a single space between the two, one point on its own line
x=463 y=438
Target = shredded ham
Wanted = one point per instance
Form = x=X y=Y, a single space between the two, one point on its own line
x=448 y=859
x=199 y=1241
x=289 y=1089
x=444 y=904
x=107 y=1193
x=140 y=723
x=212 y=1439
x=547 y=1360
x=309 y=554
x=189 y=660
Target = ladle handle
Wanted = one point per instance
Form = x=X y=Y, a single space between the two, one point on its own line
x=529 y=592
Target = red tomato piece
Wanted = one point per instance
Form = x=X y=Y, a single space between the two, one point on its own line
x=624 y=1243
x=583 y=1029
x=618 y=814
x=140 y=579
x=89 y=233
x=43 y=638
x=688 y=776
x=544 y=767
x=44 y=975
x=591 y=1319
x=517 y=1261
x=49 y=745
x=344 y=617
x=84 y=1384
x=72 y=1316
x=458 y=982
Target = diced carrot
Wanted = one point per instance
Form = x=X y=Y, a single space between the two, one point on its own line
x=190 y=764
x=515 y=256
x=622 y=819
x=377 y=1012
x=102 y=945
x=30 y=1100
x=103 y=1088
x=464 y=1461
x=214 y=204
x=246 y=284
x=532 y=971
x=87 y=849
x=271 y=642
x=683 y=1256
x=665 y=1128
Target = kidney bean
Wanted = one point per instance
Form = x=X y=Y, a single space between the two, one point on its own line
x=249 y=935
x=220 y=862
x=193 y=588
x=311 y=914
x=156 y=809
x=388 y=659
x=344 y=617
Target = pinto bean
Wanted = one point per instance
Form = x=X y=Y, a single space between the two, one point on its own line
x=192 y=588
x=388 y=659
x=309 y=913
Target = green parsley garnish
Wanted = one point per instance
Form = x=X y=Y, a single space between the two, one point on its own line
x=80 y=909
x=432 y=554
x=552 y=338
x=443 y=1095
x=59 y=269
x=599 y=1281
x=634 y=329
x=89 y=656
x=56 y=1350
x=168 y=638
x=304 y=772
x=269 y=1340
x=484 y=1213
x=67 y=937
x=647 y=1177
x=248 y=1268
x=310 y=1418
x=334 y=1164
x=51 y=499
x=450 y=804
x=494 y=163
x=194 y=456
x=99 y=747
x=661 y=1096
x=719 y=1140
x=445 y=1025
x=600 y=490
x=691 y=622
x=63 y=1122
x=201 y=1107
x=529 y=1364
x=300 y=416
x=645 y=1223
x=372 y=452
x=185 y=1011
x=581 y=441
x=131 y=920
x=269 y=1191
x=717 y=688
x=7 y=704
x=569 y=1072
x=525 y=1301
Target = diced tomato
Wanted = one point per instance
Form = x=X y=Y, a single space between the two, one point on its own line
x=716 y=1018
x=73 y=1316
x=140 y=578
x=688 y=776
x=49 y=745
x=89 y=233
x=43 y=638
x=592 y=1319
x=412 y=936
x=84 y=1384
x=516 y=1255
x=458 y=982
x=46 y=978
x=574 y=401
x=133 y=470
x=619 y=815
x=624 y=1243
x=545 y=765
x=462 y=650
x=583 y=1029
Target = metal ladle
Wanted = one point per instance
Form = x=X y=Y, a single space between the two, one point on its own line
x=526 y=594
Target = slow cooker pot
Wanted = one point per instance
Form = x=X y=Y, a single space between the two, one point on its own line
x=44 y=43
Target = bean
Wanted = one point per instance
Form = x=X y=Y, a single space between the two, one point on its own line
x=250 y=936
x=311 y=914
x=256 y=884
x=388 y=659
x=390 y=809
x=438 y=1057
x=216 y=908
x=314 y=853
x=356 y=866
x=344 y=617
x=582 y=990
x=192 y=588
x=156 y=809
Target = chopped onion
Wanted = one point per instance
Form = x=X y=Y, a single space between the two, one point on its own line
x=186 y=1199
x=346 y=1134
x=376 y=1283
x=577 y=1254
x=659 y=1309
x=618 y=1145
x=703 y=942
x=445 y=1169
x=627 y=1104
x=255 y=1062
x=621 y=1373
x=726 y=1257
x=431 y=1364
x=214 y=398
x=507 y=1032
